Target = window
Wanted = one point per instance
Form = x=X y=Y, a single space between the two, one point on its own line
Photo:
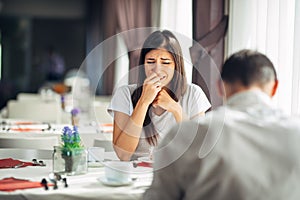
x=271 y=27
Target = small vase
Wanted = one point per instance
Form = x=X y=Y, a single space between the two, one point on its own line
x=75 y=120
x=69 y=162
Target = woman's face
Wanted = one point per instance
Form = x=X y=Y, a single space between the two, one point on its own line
x=162 y=63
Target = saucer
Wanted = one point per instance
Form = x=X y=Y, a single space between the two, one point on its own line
x=104 y=181
x=95 y=164
x=145 y=159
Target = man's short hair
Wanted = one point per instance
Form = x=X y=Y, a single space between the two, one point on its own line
x=248 y=68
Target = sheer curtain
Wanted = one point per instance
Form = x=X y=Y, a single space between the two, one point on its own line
x=176 y=16
x=296 y=64
x=271 y=27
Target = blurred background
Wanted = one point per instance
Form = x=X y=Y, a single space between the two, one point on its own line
x=32 y=28
x=44 y=41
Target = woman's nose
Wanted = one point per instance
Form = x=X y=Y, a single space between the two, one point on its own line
x=156 y=67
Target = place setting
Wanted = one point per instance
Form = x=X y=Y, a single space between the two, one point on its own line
x=116 y=173
x=124 y=173
x=11 y=183
x=14 y=163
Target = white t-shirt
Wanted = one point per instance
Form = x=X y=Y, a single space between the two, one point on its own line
x=192 y=102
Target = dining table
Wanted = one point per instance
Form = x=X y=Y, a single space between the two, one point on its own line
x=19 y=129
x=84 y=186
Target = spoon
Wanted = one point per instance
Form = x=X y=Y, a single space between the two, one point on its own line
x=54 y=177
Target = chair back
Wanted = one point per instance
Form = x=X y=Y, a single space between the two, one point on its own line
x=34 y=110
x=28 y=97
x=106 y=144
x=46 y=142
x=27 y=154
x=100 y=114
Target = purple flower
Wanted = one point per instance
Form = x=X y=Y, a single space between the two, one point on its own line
x=62 y=98
x=75 y=129
x=71 y=138
x=67 y=131
x=75 y=111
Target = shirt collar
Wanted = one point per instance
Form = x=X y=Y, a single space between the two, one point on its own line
x=249 y=98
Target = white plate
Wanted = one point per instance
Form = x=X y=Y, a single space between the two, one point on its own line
x=95 y=164
x=145 y=159
x=104 y=181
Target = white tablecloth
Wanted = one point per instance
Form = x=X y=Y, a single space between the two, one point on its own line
x=88 y=133
x=85 y=186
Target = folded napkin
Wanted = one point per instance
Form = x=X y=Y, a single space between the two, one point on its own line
x=11 y=163
x=144 y=164
x=106 y=128
x=29 y=127
x=10 y=184
x=24 y=123
x=26 y=129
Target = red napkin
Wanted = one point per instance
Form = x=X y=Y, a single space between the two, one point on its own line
x=107 y=128
x=10 y=184
x=26 y=129
x=24 y=123
x=11 y=163
x=144 y=164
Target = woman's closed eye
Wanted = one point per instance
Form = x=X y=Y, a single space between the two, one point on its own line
x=153 y=62
x=165 y=61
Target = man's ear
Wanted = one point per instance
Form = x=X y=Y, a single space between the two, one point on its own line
x=274 y=89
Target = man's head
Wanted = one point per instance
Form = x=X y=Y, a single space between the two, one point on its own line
x=247 y=70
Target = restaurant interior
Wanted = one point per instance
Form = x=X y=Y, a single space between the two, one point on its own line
x=96 y=46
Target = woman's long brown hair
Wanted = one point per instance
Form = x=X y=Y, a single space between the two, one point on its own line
x=177 y=87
